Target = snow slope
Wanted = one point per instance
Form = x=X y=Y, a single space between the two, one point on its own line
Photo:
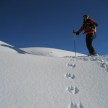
x=34 y=81
x=50 y=52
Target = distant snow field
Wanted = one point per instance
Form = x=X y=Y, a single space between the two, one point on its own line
x=51 y=78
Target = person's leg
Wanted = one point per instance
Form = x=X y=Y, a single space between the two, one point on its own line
x=89 y=40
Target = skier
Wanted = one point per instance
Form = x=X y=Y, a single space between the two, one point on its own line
x=89 y=27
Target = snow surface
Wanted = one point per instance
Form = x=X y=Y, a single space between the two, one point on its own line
x=50 y=52
x=51 y=78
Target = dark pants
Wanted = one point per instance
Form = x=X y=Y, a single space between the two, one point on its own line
x=89 y=40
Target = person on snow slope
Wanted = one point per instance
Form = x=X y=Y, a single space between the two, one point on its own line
x=89 y=27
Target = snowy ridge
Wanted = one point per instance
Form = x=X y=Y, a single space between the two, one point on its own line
x=33 y=81
x=50 y=52
x=9 y=48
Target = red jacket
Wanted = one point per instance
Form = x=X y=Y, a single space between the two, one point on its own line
x=89 y=27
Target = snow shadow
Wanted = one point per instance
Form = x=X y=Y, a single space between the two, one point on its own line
x=14 y=48
x=73 y=90
x=70 y=76
x=71 y=105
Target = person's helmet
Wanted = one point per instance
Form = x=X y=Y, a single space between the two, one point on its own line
x=85 y=16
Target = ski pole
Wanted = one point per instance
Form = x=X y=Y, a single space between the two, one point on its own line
x=74 y=42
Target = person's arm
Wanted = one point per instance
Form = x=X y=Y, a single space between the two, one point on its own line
x=80 y=30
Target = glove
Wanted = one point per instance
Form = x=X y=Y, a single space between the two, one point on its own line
x=77 y=33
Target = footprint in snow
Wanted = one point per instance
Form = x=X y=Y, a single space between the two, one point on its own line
x=93 y=58
x=73 y=90
x=70 y=76
x=103 y=64
x=85 y=59
x=72 y=65
x=71 y=105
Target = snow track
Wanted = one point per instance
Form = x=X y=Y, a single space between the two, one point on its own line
x=101 y=61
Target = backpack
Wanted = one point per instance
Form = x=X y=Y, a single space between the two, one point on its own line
x=90 y=24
